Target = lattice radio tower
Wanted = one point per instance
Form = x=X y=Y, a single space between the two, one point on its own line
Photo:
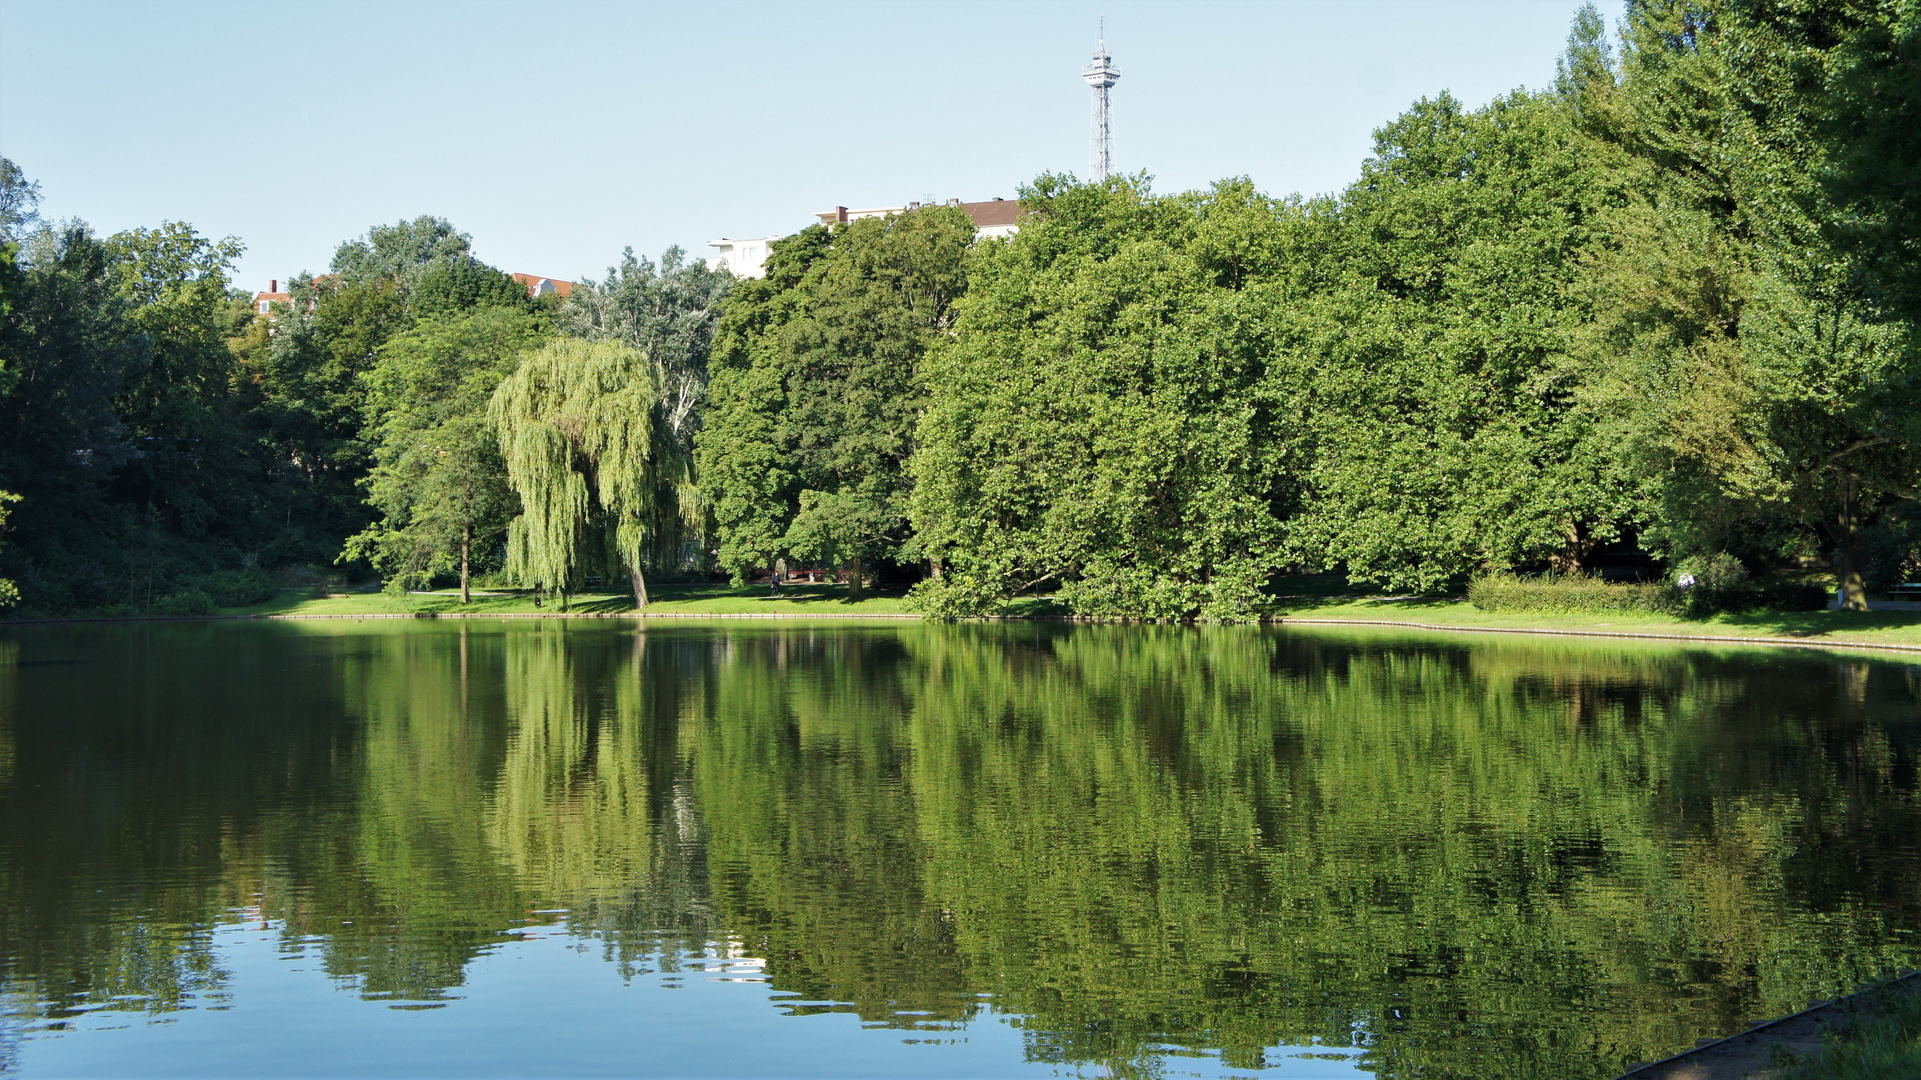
x=1101 y=75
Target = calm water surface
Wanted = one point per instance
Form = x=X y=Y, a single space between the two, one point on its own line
x=736 y=848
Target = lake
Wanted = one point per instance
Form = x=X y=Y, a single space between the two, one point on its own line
x=534 y=847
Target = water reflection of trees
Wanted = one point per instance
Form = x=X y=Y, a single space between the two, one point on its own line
x=1490 y=859
x=1497 y=859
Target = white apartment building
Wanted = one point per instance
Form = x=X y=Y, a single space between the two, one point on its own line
x=741 y=258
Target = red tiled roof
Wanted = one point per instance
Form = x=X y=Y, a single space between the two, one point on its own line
x=532 y=282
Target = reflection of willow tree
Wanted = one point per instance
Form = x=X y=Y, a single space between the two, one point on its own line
x=1497 y=860
x=501 y=775
x=571 y=808
x=1489 y=859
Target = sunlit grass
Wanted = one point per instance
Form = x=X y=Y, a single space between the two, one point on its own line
x=1862 y=627
x=1304 y=598
x=676 y=599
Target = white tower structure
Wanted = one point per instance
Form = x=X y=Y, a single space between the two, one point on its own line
x=1101 y=75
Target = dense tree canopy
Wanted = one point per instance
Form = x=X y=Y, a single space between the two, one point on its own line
x=1101 y=420
x=667 y=310
x=817 y=391
x=159 y=429
x=439 y=480
x=603 y=486
x=1749 y=319
x=1663 y=310
x=1663 y=303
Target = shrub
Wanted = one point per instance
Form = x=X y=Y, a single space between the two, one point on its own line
x=1709 y=584
x=185 y=602
x=239 y=588
x=1710 y=589
x=1571 y=594
x=1719 y=583
x=954 y=597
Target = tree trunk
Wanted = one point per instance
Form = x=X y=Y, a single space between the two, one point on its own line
x=1847 y=554
x=1572 y=558
x=466 y=575
x=935 y=565
x=853 y=581
x=640 y=587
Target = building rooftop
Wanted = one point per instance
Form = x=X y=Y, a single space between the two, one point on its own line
x=994 y=212
x=989 y=214
x=541 y=286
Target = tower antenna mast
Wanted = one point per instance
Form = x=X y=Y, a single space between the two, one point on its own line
x=1101 y=75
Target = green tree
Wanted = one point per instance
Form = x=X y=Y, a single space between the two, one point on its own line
x=312 y=371
x=667 y=310
x=817 y=390
x=188 y=467
x=127 y=434
x=312 y=380
x=438 y=478
x=401 y=251
x=9 y=592
x=459 y=283
x=1767 y=361
x=1110 y=416
x=19 y=212
x=1865 y=106
x=19 y=203
x=1451 y=424
x=67 y=355
x=602 y=485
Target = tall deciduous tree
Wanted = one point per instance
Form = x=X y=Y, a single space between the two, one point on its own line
x=179 y=406
x=817 y=390
x=312 y=380
x=439 y=480
x=460 y=283
x=1450 y=422
x=1755 y=295
x=667 y=310
x=1102 y=424
x=67 y=355
x=589 y=452
x=19 y=203
x=400 y=251
x=312 y=371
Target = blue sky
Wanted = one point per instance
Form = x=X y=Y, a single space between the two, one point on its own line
x=559 y=133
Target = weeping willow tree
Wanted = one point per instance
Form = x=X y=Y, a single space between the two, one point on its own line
x=603 y=485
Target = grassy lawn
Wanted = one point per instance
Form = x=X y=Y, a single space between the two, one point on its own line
x=700 y=599
x=1839 y=627
x=1322 y=597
